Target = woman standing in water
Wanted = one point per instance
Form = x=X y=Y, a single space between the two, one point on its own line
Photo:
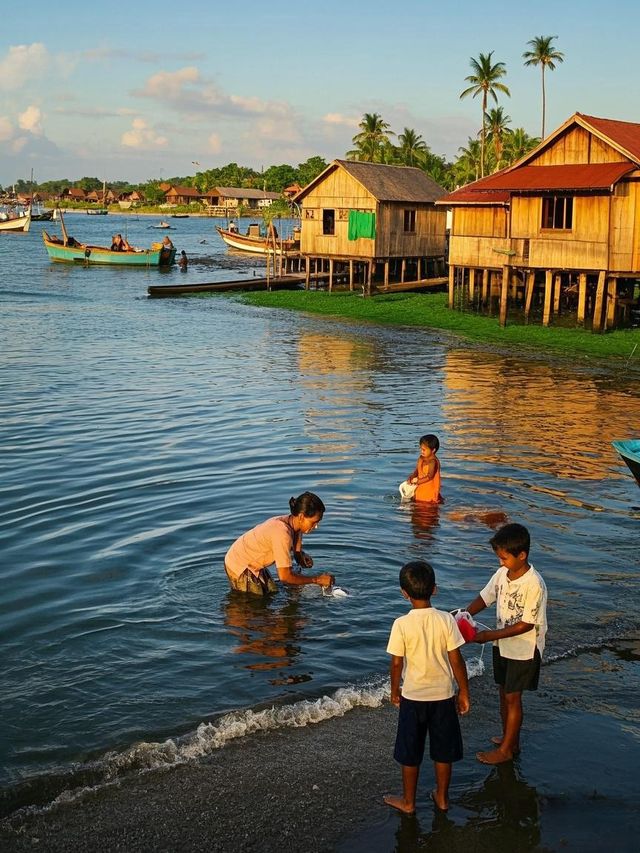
x=274 y=541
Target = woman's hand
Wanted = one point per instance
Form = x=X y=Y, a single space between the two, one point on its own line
x=325 y=579
x=303 y=559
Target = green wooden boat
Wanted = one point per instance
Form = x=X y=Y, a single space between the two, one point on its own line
x=69 y=250
x=629 y=450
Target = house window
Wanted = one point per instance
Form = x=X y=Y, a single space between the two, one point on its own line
x=409 y=221
x=328 y=222
x=557 y=212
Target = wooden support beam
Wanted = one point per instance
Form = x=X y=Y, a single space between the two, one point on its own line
x=504 y=295
x=612 y=303
x=386 y=275
x=330 y=274
x=403 y=268
x=582 y=297
x=485 y=286
x=598 y=311
x=472 y=284
x=452 y=272
x=351 y=275
x=369 y=271
x=419 y=270
x=557 y=290
x=548 y=290
x=307 y=273
x=528 y=298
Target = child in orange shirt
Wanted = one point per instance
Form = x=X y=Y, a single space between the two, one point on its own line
x=426 y=476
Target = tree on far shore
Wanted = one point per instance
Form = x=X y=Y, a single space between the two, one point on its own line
x=485 y=80
x=546 y=55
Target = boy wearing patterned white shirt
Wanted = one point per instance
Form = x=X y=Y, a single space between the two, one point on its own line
x=520 y=596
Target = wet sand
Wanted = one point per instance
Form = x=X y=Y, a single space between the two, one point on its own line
x=319 y=788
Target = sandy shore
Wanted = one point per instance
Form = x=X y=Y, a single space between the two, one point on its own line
x=319 y=788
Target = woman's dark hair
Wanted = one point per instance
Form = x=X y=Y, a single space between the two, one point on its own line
x=418 y=579
x=512 y=538
x=431 y=441
x=308 y=504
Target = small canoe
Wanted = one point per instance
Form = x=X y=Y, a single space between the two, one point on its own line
x=17 y=223
x=629 y=450
x=256 y=245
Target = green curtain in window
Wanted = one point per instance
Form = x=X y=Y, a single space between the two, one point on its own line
x=362 y=223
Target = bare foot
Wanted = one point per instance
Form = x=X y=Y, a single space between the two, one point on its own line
x=441 y=805
x=399 y=803
x=496 y=756
x=498 y=742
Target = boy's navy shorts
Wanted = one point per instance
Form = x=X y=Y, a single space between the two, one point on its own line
x=514 y=676
x=437 y=719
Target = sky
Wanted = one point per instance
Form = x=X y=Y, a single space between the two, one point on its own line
x=155 y=89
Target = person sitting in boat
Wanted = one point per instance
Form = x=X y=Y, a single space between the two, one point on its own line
x=233 y=228
x=120 y=244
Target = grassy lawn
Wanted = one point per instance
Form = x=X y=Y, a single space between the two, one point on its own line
x=431 y=311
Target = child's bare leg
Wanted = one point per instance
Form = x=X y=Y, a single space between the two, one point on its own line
x=443 y=777
x=510 y=744
x=503 y=716
x=407 y=802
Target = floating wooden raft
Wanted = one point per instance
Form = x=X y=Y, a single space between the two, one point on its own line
x=157 y=291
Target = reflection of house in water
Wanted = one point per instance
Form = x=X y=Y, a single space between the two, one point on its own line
x=336 y=373
x=549 y=420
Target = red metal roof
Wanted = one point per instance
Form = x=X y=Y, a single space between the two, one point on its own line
x=497 y=189
x=624 y=134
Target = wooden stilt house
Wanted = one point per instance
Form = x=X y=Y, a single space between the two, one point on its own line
x=557 y=232
x=369 y=224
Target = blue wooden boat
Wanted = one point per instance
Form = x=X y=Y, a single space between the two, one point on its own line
x=629 y=449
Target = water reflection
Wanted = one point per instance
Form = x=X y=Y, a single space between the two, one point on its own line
x=425 y=517
x=533 y=415
x=267 y=633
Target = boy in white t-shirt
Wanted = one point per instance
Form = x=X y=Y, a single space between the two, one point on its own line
x=425 y=643
x=520 y=596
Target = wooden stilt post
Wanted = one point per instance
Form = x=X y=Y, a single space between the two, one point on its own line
x=557 y=289
x=368 y=278
x=548 y=291
x=330 y=274
x=582 y=297
x=504 y=294
x=452 y=272
x=485 y=286
x=419 y=270
x=307 y=273
x=598 y=307
x=472 y=284
x=612 y=303
x=386 y=275
x=528 y=298
x=403 y=268
x=351 y=274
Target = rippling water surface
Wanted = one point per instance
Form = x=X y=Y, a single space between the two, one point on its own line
x=139 y=437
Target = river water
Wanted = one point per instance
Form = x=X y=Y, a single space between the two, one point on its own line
x=139 y=437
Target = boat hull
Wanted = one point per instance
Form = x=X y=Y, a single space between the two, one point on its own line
x=18 y=223
x=629 y=450
x=85 y=254
x=256 y=245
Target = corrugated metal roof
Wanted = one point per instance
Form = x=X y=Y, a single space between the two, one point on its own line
x=385 y=183
x=496 y=189
x=625 y=134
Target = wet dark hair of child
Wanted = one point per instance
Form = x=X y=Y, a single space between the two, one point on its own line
x=431 y=441
x=418 y=580
x=308 y=504
x=512 y=538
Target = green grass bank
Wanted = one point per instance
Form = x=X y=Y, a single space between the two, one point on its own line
x=430 y=311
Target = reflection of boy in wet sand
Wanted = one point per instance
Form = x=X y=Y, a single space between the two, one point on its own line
x=427 y=472
x=520 y=596
x=425 y=642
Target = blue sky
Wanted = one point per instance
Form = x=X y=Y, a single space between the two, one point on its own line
x=139 y=91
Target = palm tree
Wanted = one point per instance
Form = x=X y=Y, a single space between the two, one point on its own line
x=485 y=79
x=497 y=130
x=371 y=141
x=467 y=166
x=517 y=144
x=412 y=147
x=544 y=54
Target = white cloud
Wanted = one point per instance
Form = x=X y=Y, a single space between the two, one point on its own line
x=214 y=143
x=6 y=129
x=23 y=62
x=31 y=120
x=339 y=120
x=142 y=135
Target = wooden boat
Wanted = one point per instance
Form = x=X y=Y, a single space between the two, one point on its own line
x=162 y=224
x=179 y=215
x=257 y=244
x=69 y=250
x=14 y=222
x=629 y=450
x=98 y=211
x=43 y=216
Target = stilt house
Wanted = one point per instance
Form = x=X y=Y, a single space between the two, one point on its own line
x=366 y=222
x=558 y=230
